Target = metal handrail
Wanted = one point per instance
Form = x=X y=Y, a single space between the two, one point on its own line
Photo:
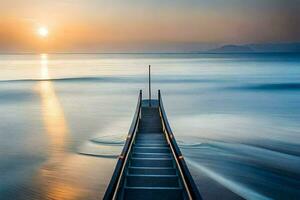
x=188 y=179
x=115 y=181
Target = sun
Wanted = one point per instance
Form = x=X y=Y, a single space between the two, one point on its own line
x=43 y=31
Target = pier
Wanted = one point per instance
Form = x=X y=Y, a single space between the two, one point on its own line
x=151 y=165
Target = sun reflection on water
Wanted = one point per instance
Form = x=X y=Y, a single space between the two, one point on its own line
x=65 y=175
x=56 y=128
x=52 y=112
x=44 y=67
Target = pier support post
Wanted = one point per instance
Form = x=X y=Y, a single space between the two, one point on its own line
x=149 y=85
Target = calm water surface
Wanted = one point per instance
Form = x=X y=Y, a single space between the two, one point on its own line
x=64 y=119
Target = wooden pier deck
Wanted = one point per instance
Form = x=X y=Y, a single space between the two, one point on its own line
x=151 y=165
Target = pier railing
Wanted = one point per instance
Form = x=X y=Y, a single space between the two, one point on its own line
x=189 y=183
x=116 y=179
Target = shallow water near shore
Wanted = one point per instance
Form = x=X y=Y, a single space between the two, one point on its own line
x=64 y=119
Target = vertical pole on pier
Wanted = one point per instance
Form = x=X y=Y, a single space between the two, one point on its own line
x=149 y=85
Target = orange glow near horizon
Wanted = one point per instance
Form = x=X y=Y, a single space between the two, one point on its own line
x=81 y=26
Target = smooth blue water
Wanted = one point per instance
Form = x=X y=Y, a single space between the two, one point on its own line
x=64 y=119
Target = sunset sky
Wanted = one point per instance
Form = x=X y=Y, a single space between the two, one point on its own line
x=144 y=25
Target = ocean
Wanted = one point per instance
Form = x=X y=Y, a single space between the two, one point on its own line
x=64 y=119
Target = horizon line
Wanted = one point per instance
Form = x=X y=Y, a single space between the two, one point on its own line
x=181 y=52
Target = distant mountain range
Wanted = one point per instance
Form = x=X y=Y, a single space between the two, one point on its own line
x=259 y=48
